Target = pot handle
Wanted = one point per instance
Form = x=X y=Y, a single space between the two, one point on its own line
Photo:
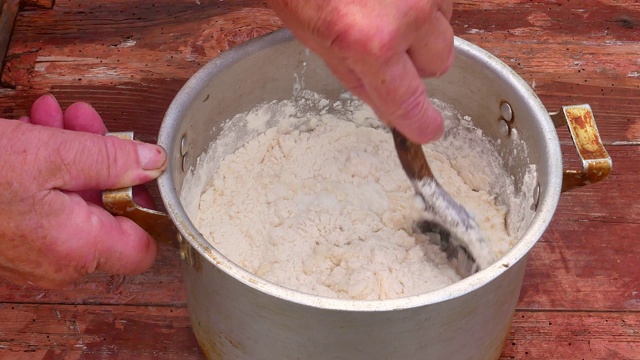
x=596 y=162
x=120 y=202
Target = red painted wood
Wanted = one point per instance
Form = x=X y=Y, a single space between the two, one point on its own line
x=573 y=335
x=580 y=297
x=124 y=332
x=92 y=332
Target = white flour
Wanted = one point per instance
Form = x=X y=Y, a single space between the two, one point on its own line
x=321 y=205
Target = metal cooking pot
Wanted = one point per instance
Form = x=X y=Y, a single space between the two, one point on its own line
x=238 y=315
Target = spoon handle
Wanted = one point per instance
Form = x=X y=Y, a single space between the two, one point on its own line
x=411 y=157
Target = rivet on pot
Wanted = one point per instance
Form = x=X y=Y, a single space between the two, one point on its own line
x=186 y=253
x=183 y=254
x=536 y=197
x=184 y=145
x=503 y=127
x=506 y=111
x=185 y=162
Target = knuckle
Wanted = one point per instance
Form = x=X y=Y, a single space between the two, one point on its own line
x=109 y=157
x=420 y=11
x=412 y=109
x=355 y=37
x=435 y=59
x=77 y=156
x=78 y=252
x=327 y=23
x=377 y=44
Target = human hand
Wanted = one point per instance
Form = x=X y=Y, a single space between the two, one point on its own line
x=380 y=50
x=53 y=229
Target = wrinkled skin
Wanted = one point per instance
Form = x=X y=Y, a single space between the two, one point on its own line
x=380 y=50
x=53 y=230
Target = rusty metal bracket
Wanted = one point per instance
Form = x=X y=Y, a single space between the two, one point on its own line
x=596 y=162
x=120 y=202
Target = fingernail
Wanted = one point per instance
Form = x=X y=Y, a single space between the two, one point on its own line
x=152 y=157
x=53 y=97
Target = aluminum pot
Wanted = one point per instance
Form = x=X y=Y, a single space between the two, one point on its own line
x=237 y=315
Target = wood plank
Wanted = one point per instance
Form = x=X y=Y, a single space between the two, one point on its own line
x=573 y=335
x=143 y=40
x=547 y=20
x=570 y=52
x=8 y=13
x=575 y=266
x=124 y=332
x=95 y=332
x=602 y=201
x=39 y=4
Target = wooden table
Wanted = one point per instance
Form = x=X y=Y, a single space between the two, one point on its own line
x=581 y=293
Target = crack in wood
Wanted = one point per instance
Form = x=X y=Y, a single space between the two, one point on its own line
x=8 y=14
x=39 y=4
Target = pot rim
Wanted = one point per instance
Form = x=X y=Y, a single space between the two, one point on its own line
x=549 y=195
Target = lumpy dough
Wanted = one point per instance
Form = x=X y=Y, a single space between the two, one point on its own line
x=326 y=209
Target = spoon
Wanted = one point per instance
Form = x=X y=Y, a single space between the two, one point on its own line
x=445 y=222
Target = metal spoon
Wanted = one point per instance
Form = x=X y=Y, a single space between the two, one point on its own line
x=444 y=221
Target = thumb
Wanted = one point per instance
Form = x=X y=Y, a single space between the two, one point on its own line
x=76 y=161
x=399 y=97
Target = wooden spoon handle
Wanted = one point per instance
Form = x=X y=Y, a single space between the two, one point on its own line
x=411 y=157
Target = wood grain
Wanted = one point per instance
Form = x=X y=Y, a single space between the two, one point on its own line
x=8 y=13
x=142 y=332
x=41 y=4
x=581 y=294
x=573 y=335
x=95 y=332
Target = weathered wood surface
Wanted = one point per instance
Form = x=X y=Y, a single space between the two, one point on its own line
x=581 y=294
x=113 y=332
x=8 y=12
x=126 y=332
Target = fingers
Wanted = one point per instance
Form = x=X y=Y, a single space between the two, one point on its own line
x=132 y=253
x=142 y=197
x=432 y=50
x=79 y=151
x=46 y=111
x=90 y=238
x=76 y=161
x=73 y=236
x=446 y=7
x=380 y=50
x=394 y=90
x=91 y=196
x=398 y=96
x=349 y=78
x=81 y=116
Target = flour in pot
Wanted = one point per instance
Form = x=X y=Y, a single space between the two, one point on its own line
x=319 y=202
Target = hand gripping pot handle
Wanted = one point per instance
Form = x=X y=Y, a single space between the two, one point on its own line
x=120 y=202
x=596 y=165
